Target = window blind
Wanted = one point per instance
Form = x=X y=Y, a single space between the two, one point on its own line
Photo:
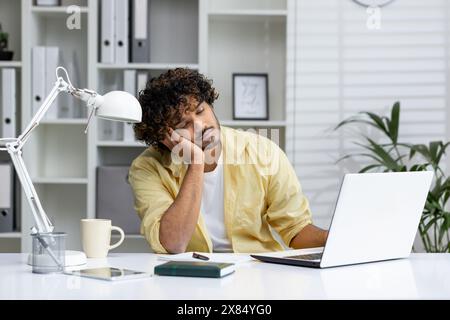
x=337 y=66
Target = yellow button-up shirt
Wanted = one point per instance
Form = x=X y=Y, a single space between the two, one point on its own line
x=261 y=190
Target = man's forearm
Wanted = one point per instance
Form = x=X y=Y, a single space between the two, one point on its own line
x=310 y=237
x=180 y=219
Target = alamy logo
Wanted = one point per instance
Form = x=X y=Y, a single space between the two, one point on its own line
x=73 y=21
x=373 y=21
x=266 y=155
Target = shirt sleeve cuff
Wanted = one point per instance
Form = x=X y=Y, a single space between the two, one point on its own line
x=288 y=235
x=152 y=236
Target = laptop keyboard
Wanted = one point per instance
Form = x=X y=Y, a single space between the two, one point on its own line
x=312 y=256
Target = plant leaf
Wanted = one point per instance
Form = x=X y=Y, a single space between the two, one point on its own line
x=429 y=224
x=394 y=123
x=418 y=167
x=353 y=119
x=423 y=150
x=444 y=226
x=351 y=155
x=388 y=160
x=370 y=167
x=433 y=149
x=441 y=151
x=378 y=121
x=374 y=155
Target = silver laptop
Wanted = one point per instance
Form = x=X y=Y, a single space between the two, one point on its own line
x=376 y=218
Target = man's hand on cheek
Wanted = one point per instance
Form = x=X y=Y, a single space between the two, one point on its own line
x=182 y=148
x=168 y=141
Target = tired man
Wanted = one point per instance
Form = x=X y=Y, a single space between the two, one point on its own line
x=204 y=187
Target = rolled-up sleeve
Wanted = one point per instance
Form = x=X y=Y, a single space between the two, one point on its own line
x=288 y=209
x=151 y=200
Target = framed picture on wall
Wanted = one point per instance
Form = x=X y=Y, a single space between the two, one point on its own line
x=250 y=96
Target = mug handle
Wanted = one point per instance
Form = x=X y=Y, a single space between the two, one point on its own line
x=122 y=237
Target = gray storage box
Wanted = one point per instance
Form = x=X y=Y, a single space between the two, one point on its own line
x=115 y=199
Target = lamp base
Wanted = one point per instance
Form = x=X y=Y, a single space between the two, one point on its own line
x=73 y=258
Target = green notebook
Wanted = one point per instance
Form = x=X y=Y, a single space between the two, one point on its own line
x=194 y=269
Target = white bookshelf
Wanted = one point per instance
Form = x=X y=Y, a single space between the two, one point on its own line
x=53 y=11
x=10 y=235
x=60 y=180
x=10 y=64
x=249 y=15
x=254 y=123
x=264 y=13
x=266 y=6
x=246 y=37
x=146 y=66
x=82 y=121
x=216 y=37
x=120 y=144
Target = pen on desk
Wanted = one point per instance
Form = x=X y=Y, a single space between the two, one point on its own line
x=199 y=256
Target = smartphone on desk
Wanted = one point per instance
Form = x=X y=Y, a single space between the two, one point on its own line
x=109 y=273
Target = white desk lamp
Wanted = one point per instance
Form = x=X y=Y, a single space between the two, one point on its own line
x=115 y=106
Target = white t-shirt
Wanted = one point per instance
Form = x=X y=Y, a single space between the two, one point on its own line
x=212 y=208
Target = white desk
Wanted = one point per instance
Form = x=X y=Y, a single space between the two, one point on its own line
x=422 y=276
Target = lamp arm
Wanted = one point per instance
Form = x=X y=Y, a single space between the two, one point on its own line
x=92 y=99
x=60 y=85
x=43 y=223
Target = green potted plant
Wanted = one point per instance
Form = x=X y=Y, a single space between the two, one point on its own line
x=396 y=156
x=4 y=53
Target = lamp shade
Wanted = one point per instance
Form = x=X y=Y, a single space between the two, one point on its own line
x=119 y=106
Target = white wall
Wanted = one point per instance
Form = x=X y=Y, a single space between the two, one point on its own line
x=337 y=66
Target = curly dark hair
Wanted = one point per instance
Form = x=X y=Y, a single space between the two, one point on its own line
x=165 y=99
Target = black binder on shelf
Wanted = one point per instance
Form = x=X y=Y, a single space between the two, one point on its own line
x=140 y=33
x=6 y=197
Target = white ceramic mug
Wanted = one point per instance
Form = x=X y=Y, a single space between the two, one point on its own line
x=96 y=237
